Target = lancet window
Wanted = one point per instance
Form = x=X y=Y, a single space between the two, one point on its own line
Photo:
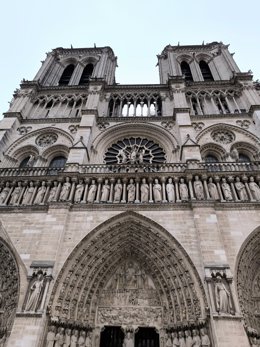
x=86 y=74
x=66 y=75
x=186 y=71
x=205 y=71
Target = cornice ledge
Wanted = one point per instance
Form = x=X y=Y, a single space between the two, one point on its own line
x=252 y=109
x=17 y=115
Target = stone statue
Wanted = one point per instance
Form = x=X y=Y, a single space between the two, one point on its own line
x=59 y=338
x=141 y=156
x=181 y=340
x=168 y=341
x=170 y=191
x=30 y=161
x=254 y=188
x=226 y=190
x=157 y=191
x=241 y=189
x=92 y=192
x=222 y=295
x=213 y=191
x=53 y=192
x=28 y=194
x=133 y=155
x=188 y=338
x=196 y=338
x=118 y=191
x=198 y=188
x=78 y=192
x=4 y=193
x=51 y=336
x=67 y=338
x=205 y=342
x=82 y=339
x=35 y=293
x=128 y=340
x=184 y=192
x=175 y=340
x=16 y=194
x=74 y=338
x=105 y=192
x=88 y=340
x=65 y=191
x=40 y=194
x=121 y=157
x=144 y=191
x=131 y=191
x=234 y=154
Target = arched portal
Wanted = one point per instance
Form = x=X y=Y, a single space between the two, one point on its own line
x=129 y=271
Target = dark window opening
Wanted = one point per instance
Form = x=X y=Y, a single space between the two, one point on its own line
x=205 y=70
x=210 y=158
x=112 y=337
x=146 y=337
x=58 y=162
x=86 y=74
x=186 y=72
x=24 y=162
x=243 y=158
x=66 y=75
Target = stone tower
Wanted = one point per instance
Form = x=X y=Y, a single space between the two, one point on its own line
x=130 y=213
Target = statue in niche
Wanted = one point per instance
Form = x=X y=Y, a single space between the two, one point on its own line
x=128 y=340
x=65 y=191
x=170 y=190
x=4 y=193
x=40 y=194
x=59 y=338
x=213 y=191
x=51 y=336
x=92 y=192
x=222 y=295
x=188 y=338
x=182 y=342
x=74 y=338
x=131 y=191
x=16 y=194
x=254 y=188
x=205 y=341
x=67 y=338
x=105 y=191
x=184 y=192
x=198 y=188
x=53 y=192
x=31 y=161
x=118 y=191
x=196 y=338
x=241 y=189
x=35 y=293
x=88 y=340
x=144 y=191
x=226 y=190
x=234 y=154
x=121 y=157
x=175 y=340
x=157 y=191
x=79 y=191
x=82 y=339
x=27 y=198
x=168 y=341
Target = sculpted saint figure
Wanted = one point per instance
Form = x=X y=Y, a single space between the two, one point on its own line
x=133 y=155
x=181 y=339
x=213 y=191
x=67 y=338
x=53 y=191
x=82 y=339
x=40 y=194
x=92 y=192
x=128 y=340
x=222 y=296
x=175 y=340
x=74 y=338
x=157 y=191
x=79 y=191
x=144 y=191
x=105 y=192
x=51 y=336
x=168 y=341
x=4 y=193
x=198 y=188
x=118 y=191
x=226 y=190
x=205 y=342
x=16 y=194
x=241 y=189
x=184 y=192
x=88 y=340
x=60 y=338
x=188 y=338
x=31 y=160
x=65 y=191
x=121 y=157
x=35 y=293
x=28 y=194
x=254 y=188
x=170 y=191
x=131 y=191
x=196 y=339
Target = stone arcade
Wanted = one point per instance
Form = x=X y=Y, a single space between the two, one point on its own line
x=130 y=213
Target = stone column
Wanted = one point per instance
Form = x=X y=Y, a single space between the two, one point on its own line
x=99 y=181
x=231 y=181
x=189 y=178
x=204 y=179
x=112 y=181
x=163 y=190
x=137 y=190
x=84 y=200
x=176 y=183
x=124 y=191
x=150 y=180
x=217 y=180
x=72 y=191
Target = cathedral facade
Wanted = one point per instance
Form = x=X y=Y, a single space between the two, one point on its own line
x=130 y=214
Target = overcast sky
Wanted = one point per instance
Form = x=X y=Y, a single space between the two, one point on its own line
x=137 y=30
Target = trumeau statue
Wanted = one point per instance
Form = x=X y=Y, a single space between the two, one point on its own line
x=92 y=191
x=223 y=299
x=226 y=190
x=144 y=191
x=170 y=191
x=254 y=188
x=35 y=293
x=241 y=189
x=213 y=191
x=79 y=191
x=118 y=191
x=105 y=191
x=65 y=191
x=40 y=194
x=128 y=340
x=131 y=191
x=157 y=191
x=198 y=188
x=184 y=192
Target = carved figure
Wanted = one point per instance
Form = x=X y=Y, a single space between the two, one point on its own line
x=157 y=191
x=121 y=157
x=74 y=338
x=30 y=161
x=35 y=293
x=198 y=188
x=241 y=189
x=181 y=340
x=82 y=339
x=205 y=341
x=92 y=192
x=131 y=191
x=88 y=340
x=222 y=296
x=254 y=188
x=40 y=194
x=4 y=193
x=128 y=340
x=168 y=341
x=105 y=192
x=170 y=191
x=79 y=191
x=196 y=339
x=226 y=190
x=175 y=340
x=67 y=338
x=118 y=191
x=65 y=191
x=51 y=336
x=141 y=156
x=188 y=338
x=16 y=194
x=60 y=338
x=213 y=191
x=133 y=155
x=53 y=192
x=144 y=191
x=184 y=192
x=28 y=194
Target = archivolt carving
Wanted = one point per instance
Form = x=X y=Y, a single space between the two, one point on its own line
x=89 y=270
x=25 y=151
x=212 y=148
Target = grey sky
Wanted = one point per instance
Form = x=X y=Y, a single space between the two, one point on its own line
x=136 y=30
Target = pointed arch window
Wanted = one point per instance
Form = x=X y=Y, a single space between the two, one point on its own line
x=186 y=72
x=66 y=75
x=86 y=74
x=205 y=70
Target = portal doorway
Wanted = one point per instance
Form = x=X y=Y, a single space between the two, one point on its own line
x=146 y=337
x=112 y=337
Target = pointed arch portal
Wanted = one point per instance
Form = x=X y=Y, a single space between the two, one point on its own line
x=129 y=271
